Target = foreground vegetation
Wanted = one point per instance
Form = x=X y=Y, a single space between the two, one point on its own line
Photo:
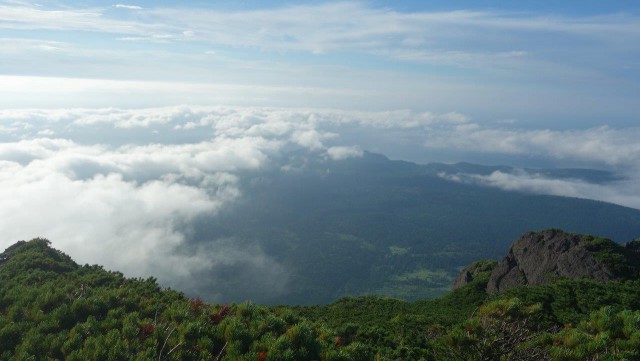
x=52 y=308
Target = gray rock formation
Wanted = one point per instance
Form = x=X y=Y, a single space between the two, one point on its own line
x=539 y=258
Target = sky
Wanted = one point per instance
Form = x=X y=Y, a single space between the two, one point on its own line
x=569 y=65
x=124 y=122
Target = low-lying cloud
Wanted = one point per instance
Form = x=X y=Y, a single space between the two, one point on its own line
x=603 y=144
x=124 y=188
x=319 y=129
x=133 y=206
x=91 y=203
x=623 y=192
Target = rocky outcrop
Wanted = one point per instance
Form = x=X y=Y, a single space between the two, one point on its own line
x=474 y=271
x=633 y=246
x=539 y=258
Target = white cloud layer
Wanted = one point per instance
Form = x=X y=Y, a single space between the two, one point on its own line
x=600 y=144
x=124 y=187
x=131 y=207
x=624 y=192
x=126 y=208
x=244 y=129
x=339 y=153
x=128 y=7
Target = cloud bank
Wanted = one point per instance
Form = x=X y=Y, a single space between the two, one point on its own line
x=129 y=209
x=623 y=192
x=132 y=207
x=600 y=144
x=125 y=187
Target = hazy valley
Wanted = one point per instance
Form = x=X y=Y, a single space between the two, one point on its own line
x=369 y=225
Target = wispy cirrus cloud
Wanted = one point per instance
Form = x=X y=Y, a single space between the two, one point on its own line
x=128 y=7
x=414 y=36
x=357 y=55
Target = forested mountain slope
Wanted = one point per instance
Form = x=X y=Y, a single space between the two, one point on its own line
x=371 y=225
x=52 y=308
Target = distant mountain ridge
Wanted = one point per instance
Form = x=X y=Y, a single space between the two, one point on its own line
x=371 y=225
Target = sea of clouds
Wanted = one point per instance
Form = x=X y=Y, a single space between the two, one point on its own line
x=124 y=187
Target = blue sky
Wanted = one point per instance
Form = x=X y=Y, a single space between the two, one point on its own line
x=570 y=7
x=547 y=63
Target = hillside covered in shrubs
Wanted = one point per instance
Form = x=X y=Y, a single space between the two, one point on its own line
x=54 y=309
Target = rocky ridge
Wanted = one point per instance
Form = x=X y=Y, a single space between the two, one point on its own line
x=538 y=258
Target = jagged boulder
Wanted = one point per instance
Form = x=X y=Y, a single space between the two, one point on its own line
x=539 y=258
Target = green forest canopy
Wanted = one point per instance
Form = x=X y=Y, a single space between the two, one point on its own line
x=53 y=308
